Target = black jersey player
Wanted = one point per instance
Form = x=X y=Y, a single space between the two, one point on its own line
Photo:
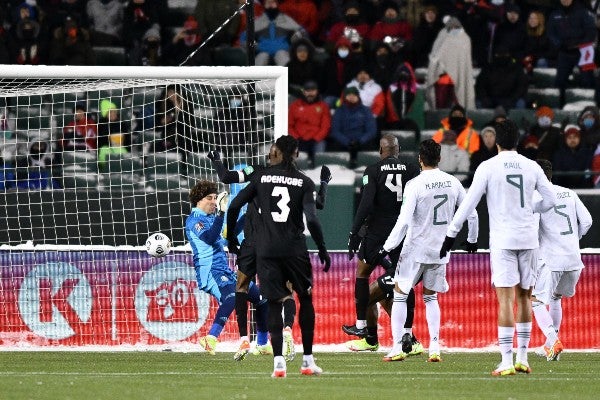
x=378 y=210
x=284 y=195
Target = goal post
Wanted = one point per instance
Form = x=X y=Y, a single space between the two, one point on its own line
x=77 y=215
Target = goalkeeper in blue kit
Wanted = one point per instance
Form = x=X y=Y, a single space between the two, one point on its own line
x=203 y=229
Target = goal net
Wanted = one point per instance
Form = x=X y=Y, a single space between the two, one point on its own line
x=93 y=160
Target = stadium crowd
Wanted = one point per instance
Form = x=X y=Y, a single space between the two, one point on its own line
x=357 y=67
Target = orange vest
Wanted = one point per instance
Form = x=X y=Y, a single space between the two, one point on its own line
x=467 y=139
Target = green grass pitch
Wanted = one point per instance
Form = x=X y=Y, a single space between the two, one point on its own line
x=196 y=375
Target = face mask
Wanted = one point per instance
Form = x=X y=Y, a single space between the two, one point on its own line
x=588 y=122
x=497 y=2
x=352 y=19
x=544 y=122
x=457 y=124
x=343 y=53
x=272 y=13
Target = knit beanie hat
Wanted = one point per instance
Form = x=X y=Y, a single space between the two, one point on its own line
x=544 y=111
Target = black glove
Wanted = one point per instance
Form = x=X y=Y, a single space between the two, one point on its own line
x=353 y=245
x=324 y=257
x=381 y=254
x=446 y=246
x=470 y=247
x=233 y=245
x=214 y=155
x=325 y=174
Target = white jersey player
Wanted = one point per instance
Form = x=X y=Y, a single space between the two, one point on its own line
x=509 y=180
x=559 y=263
x=428 y=206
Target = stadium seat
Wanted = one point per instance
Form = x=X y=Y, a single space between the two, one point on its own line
x=564 y=117
x=110 y=55
x=34 y=123
x=336 y=158
x=573 y=95
x=167 y=182
x=367 y=158
x=543 y=77
x=85 y=159
x=524 y=118
x=163 y=163
x=78 y=177
x=428 y=134
x=480 y=117
x=433 y=117
x=406 y=139
x=230 y=56
x=548 y=96
x=125 y=164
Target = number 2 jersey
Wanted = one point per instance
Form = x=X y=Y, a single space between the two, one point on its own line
x=382 y=187
x=282 y=197
x=508 y=180
x=561 y=228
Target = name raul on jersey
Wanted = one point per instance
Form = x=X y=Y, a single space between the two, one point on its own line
x=283 y=180
x=512 y=165
x=393 y=167
x=438 y=185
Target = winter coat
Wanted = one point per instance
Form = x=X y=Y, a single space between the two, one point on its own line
x=353 y=123
x=309 y=121
x=371 y=95
x=106 y=17
x=274 y=35
x=569 y=27
x=569 y=160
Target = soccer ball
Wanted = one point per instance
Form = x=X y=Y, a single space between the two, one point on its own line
x=158 y=244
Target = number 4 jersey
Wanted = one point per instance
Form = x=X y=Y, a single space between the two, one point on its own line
x=381 y=198
x=282 y=197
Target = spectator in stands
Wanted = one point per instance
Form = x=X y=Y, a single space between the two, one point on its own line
x=529 y=147
x=110 y=122
x=149 y=51
x=572 y=30
x=549 y=137
x=342 y=68
x=589 y=124
x=572 y=157
x=304 y=12
x=183 y=44
x=498 y=116
x=75 y=9
x=309 y=121
x=173 y=122
x=211 y=14
x=303 y=67
x=383 y=65
x=399 y=99
x=81 y=133
x=114 y=146
x=138 y=17
x=71 y=45
x=234 y=122
x=502 y=83
x=424 y=36
x=478 y=18
x=510 y=35
x=451 y=57
x=34 y=171
x=106 y=22
x=391 y=25
x=274 y=31
x=7 y=124
x=453 y=159
x=370 y=92
x=467 y=137
x=353 y=127
x=485 y=152
x=26 y=47
x=539 y=52
x=352 y=21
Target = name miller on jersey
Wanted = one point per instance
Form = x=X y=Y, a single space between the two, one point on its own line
x=438 y=185
x=393 y=167
x=284 y=180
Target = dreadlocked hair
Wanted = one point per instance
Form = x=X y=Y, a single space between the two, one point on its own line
x=202 y=189
x=288 y=146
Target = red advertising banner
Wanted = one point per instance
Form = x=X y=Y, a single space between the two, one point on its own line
x=114 y=298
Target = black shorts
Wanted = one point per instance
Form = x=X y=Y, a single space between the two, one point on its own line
x=246 y=260
x=274 y=273
x=369 y=247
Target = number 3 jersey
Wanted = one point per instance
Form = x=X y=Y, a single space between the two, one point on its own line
x=282 y=198
x=381 y=198
x=508 y=180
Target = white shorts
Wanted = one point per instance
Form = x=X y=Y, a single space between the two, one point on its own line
x=550 y=283
x=408 y=272
x=513 y=267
